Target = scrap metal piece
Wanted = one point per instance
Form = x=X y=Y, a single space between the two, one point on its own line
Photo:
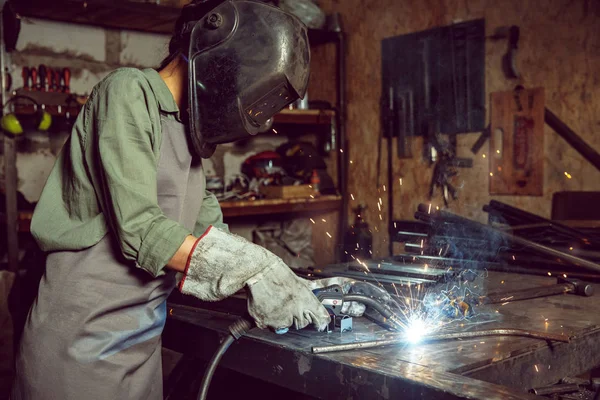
x=440 y=337
x=556 y=389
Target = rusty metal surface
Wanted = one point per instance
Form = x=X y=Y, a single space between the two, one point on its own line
x=472 y=368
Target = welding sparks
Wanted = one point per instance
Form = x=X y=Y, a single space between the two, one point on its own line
x=568 y=175
x=491 y=174
x=429 y=209
x=312 y=220
x=275 y=131
x=564 y=275
x=483 y=155
x=380 y=217
x=384 y=188
x=341 y=151
x=415 y=330
x=380 y=201
x=323 y=219
x=400 y=179
x=351 y=196
x=549 y=274
x=379 y=206
x=536 y=368
x=350 y=161
x=328 y=234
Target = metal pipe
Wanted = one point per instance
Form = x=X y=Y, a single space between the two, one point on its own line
x=556 y=389
x=446 y=216
x=10 y=171
x=572 y=138
x=441 y=337
x=341 y=139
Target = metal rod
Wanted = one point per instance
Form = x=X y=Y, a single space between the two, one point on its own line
x=341 y=140
x=556 y=389
x=572 y=138
x=446 y=216
x=441 y=337
x=10 y=172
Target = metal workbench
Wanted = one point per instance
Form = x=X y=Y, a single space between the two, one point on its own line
x=487 y=368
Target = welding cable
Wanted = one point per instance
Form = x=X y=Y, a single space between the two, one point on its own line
x=441 y=337
x=236 y=330
x=373 y=303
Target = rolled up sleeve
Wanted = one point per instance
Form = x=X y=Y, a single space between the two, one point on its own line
x=210 y=214
x=126 y=149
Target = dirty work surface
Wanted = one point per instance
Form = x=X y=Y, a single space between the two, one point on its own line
x=486 y=368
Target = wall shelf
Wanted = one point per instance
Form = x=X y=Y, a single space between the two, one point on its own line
x=233 y=209
x=304 y=117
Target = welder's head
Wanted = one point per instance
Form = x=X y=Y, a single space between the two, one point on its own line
x=247 y=61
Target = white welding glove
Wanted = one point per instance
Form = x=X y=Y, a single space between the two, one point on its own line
x=222 y=263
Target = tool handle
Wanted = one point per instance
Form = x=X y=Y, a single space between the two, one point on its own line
x=34 y=76
x=49 y=80
x=43 y=74
x=26 y=74
x=66 y=72
x=56 y=82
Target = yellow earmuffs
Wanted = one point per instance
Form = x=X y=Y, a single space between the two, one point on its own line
x=16 y=125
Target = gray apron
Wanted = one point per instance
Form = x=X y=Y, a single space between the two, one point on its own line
x=94 y=331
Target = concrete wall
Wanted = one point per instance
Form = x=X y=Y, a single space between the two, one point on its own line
x=90 y=53
x=559 y=50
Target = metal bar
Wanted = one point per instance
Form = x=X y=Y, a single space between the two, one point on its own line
x=437 y=338
x=510 y=237
x=556 y=389
x=341 y=139
x=524 y=294
x=10 y=173
x=572 y=138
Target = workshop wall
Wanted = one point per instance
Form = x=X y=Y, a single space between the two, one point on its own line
x=559 y=50
x=90 y=53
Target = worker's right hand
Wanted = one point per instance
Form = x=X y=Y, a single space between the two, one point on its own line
x=222 y=263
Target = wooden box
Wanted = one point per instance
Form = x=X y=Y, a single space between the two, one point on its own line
x=288 y=192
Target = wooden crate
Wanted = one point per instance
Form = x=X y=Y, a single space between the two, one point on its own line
x=288 y=192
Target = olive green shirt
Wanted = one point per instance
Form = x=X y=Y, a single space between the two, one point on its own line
x=105 y=178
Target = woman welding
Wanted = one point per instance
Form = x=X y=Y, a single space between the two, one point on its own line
x=125 y=217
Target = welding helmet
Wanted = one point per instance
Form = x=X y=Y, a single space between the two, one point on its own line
x=247 y=61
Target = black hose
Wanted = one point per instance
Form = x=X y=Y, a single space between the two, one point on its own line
x=237 y=329
x=212 y=366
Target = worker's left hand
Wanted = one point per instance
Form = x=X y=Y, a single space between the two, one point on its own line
x=350 y=286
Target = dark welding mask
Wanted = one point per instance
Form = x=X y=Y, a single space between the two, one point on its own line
x=247 y=61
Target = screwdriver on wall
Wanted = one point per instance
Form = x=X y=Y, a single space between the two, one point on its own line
x=66 y=72
x=26 y=74
x=43 y=74
x=34 y=75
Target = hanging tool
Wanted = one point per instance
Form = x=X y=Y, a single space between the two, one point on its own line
x=56 y=80
x=563 y=286
x=43 y=73
x=509 y=60
x=26 y=74
x=66 y=76
x=34 y=78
